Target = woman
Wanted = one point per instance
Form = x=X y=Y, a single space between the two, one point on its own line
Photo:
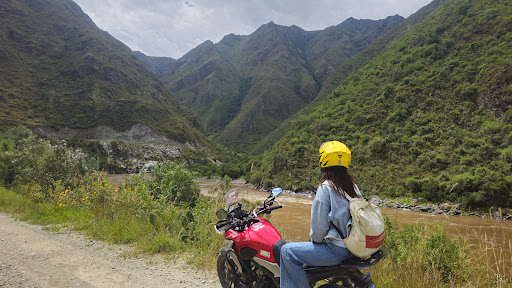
x=329 y=208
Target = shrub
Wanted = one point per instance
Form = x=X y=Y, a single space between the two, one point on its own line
x=170 y=183
x=28 y=160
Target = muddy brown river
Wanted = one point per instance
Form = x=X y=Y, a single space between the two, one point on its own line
x=484 y=235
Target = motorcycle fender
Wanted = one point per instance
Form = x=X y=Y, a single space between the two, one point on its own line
x=272 y=267
x=229 y=244
x=232 y=255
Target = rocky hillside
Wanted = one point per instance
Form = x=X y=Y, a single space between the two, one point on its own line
x=58 y=70
x=429 y=117
x=244 y=86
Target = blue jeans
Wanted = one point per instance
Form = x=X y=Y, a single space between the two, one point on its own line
x=295 y=255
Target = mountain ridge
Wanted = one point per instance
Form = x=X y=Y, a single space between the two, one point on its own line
x=243 y=87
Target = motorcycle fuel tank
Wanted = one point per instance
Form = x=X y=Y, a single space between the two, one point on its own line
x=260 y=236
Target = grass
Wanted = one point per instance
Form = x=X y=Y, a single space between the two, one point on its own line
x=424 y=256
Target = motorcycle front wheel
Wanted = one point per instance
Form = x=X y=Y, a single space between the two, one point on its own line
x=227 y=276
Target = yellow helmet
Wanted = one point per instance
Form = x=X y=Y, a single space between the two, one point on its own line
x=334 y=153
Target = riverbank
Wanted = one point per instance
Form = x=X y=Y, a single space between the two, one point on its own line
x=414 y=205
x=451 y=209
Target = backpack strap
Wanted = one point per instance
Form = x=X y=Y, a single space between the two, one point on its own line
x=339 y=231
x=346 y=195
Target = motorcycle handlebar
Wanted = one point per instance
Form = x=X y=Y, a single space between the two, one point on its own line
x=223 y=226
x=275 y=207
x=264 y=209
x=235 y=223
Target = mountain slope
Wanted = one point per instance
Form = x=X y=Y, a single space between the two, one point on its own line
x=244 y=86
x=60 y=71
x=157 y=65
x=343 y=70
x=430 y=117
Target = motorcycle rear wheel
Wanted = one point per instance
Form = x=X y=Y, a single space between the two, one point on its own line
x=332 y=285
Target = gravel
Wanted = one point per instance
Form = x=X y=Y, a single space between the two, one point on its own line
x=33 y=257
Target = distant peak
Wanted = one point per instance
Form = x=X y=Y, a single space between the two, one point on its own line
x=269 y=25
x=231 y=36
x=395 y=16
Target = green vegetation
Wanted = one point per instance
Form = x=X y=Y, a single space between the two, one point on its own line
x=430 y=117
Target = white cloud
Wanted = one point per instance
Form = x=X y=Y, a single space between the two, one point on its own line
x=172 y=28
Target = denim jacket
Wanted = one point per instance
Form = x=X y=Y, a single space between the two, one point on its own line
x=330 y=207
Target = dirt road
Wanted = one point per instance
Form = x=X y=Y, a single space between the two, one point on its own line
x=33 y=257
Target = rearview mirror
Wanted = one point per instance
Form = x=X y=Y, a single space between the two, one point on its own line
x=221 y=214
x=276 y=192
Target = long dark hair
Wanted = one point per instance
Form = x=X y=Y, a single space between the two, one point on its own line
x=339 y=179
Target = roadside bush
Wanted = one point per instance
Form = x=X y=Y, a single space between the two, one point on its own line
x=174 y=183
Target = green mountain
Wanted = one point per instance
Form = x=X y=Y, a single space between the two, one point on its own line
x=59 y=72
x=156 y=64
x=244 y=86
x=429 y=117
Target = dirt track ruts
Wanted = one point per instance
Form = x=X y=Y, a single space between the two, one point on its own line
x=33 y=257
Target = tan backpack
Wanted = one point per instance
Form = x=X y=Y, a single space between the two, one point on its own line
x=367 y=233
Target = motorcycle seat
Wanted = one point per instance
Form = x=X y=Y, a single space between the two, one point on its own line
x=355 y=262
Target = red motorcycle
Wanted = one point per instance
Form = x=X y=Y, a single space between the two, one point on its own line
x=252 y=249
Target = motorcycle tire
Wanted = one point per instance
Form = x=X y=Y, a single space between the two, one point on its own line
x=332 y=285
x=225 y=273
x=228 y=280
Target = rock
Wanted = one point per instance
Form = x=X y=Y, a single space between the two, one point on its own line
x=424 y=208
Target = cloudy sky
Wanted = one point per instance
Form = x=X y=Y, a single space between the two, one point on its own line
x=173 y=27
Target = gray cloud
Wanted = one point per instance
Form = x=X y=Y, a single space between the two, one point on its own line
x=172 y=28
